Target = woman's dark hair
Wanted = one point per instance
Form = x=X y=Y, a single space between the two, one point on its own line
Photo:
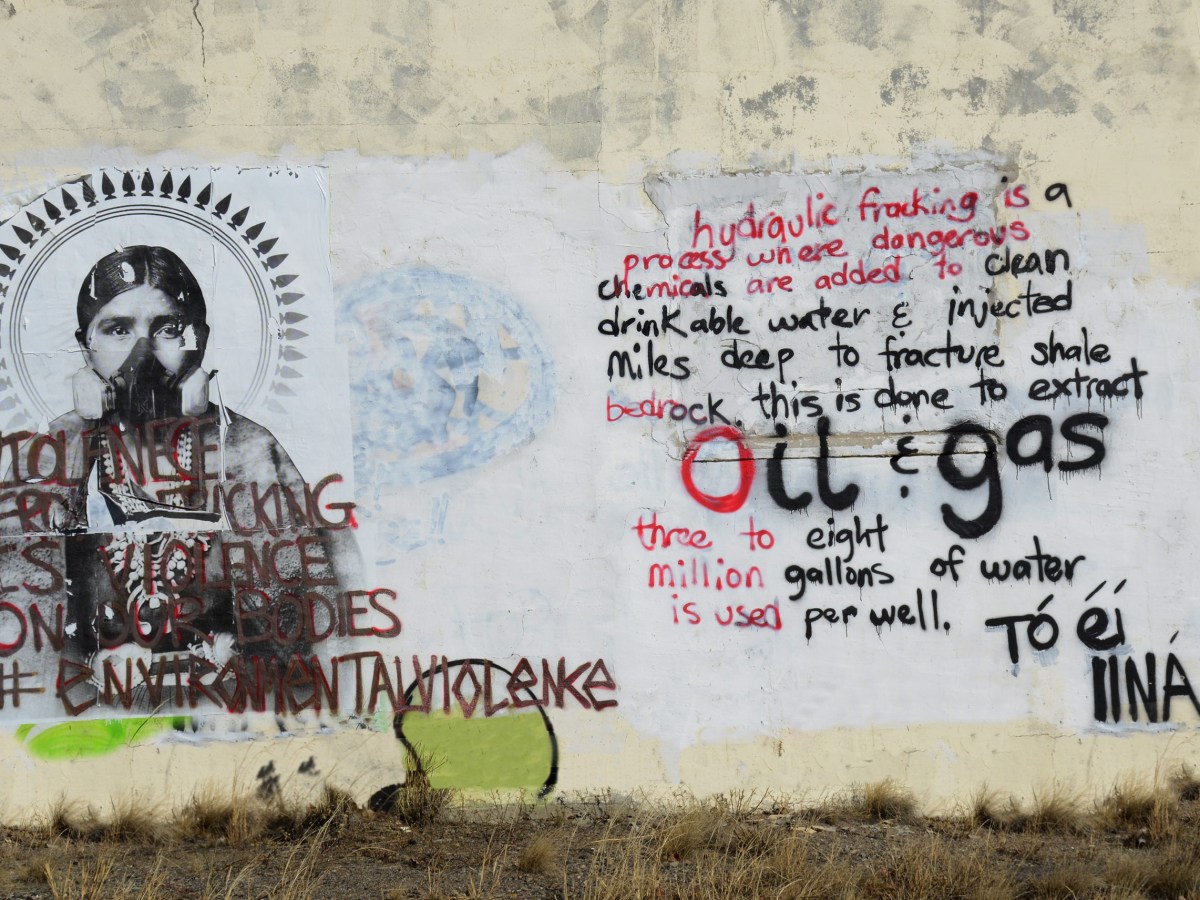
x=132 y=267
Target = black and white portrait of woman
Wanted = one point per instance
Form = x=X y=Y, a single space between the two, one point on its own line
x=188 y=533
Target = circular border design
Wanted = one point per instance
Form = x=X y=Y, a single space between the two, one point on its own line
x=39 y=229
x=18 y=303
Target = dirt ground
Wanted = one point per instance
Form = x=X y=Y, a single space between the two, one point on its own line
x=1137 y=842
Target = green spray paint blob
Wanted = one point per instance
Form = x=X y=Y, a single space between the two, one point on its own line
x=94 y=737
x=505 y=751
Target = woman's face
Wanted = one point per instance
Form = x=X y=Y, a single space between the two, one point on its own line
x=141 y=312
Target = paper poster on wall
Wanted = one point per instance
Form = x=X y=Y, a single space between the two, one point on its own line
x=178 y=497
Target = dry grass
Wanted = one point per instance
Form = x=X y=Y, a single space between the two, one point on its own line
x=233 y=885
x=207 y=814
x=303 y=870
x=785 y=865
x=301 y=878
x=485 y=882
x=212 y=815
x=1175 y=873
x=332 y=811
x=31 y=869
x=417 y=803
x=64 y=819
x=929 y=869
x=1066 y=883
x=1186 y=784
x=1134 y=806
x=242 y=819
x=728 y=824
x=693 y=830
x=1056 y=808
x=741 y=805
x=87 y=880
x=96 y=878
x=621 y=869
x=329 y=813
x=728 y=847
x=880 y=801
x=986 y=809
x=132 y=821
x=541 y=855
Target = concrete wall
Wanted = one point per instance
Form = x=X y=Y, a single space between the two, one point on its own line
x=600 y=401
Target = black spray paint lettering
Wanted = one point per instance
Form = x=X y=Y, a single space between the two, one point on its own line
x=835 y=499
x=1141 y=688
x=1074 y=429
x=1041 y=630
x=948 y=565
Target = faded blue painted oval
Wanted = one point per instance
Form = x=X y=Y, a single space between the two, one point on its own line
x=446 y=373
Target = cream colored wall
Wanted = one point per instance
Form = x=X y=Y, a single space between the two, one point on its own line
x=1101 y=95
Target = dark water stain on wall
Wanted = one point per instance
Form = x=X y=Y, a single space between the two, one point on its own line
x=396 y=87
x=103 y=35
x=799 y=14
x=394 y=81
x=295 y=10
x=577 y=107
x=666 y=106
x=302 y=76
x=296 y=90
x=159 y=99
x=800 y=91
x=980 y=13
x=414 y=92
x=914 y=136
x=1084 y=15
x=860 y=22
x=975 y=90
x=576 y=124
x=653 y=48
x=906 y=84
x=575 y=141
x=296 y=78
x=1167 y=58
x=772 y=113
x=1103 y=114
x=583 y=19
x=370 y=100
x=1034 y=88
x=631 y=43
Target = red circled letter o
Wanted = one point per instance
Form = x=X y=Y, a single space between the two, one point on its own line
x=722 y=503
